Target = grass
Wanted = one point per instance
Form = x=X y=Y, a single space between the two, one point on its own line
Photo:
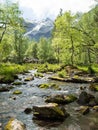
x=8 y=72
x=62 y=74
x=94 y=68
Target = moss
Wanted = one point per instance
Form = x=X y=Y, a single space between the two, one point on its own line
x=59 y=111
x=70 y=98
x=62 y=74
x=54 y=86
x=8 y=126
x=17 y=92
x=76 y=77
x=44 y=86
x=17 y=83
x=29 y=79
x=38 y=75
x=57 y=78
x=95 y=108
x=94 y=87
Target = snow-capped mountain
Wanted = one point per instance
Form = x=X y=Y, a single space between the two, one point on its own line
x=35 y=29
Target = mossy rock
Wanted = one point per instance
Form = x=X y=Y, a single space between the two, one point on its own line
x=70 y=98
x=28 y=110
x=4 y=89
x=57 y=78
x=14 y=124
x=17 y=92
x=49 y=111
x=17 y=83
x=44 y=86
x=38 y=75
x=61 y=99
x=29 y=79
x=54 y=86
x=83 y=110
x=95 y=108
x=94 y=87
x=7 y=79
x=11 y=87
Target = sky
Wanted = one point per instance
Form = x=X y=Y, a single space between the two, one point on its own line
x=41 y=9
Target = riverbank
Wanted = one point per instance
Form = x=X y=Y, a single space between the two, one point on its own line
x=9 y=71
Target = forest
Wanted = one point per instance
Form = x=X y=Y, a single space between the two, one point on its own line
x=74 y=38
x=50 y=83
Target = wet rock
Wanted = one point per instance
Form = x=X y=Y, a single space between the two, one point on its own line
x=85 y=98
x=17 y=92
x=38 y=75
x=93 y=87
x=79 y=79
x=43 y=86
x=29 y=78
x=83 y=110
x=28 y=110
x=0 y=126
x=61 y=99
x=15 y=124
x=50 y=111
x=4 y=89
x=92 y=103
x=17 y=83
x=52 y=86
x=96 y=97
x=95 y=108
x=57 y=78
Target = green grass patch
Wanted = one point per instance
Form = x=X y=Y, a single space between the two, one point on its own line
x=62 y=74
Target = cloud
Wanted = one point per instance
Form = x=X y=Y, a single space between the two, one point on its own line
x=40 y=9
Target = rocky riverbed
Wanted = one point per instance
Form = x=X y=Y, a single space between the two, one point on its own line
x=29 y=94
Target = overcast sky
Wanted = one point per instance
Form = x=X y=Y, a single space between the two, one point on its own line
x=41 y=9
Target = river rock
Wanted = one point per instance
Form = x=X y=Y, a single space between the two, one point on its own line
x=79 y=79
x=49 y=111
x=93 y=87
x=52 y=85
x=95 y=108
x=14 y=124
x=96 y=97
x=29 y=78
x=85 y=98
x=28 y=110
x=17 y=83
x=0 y=126
x=4 y=89
x=83 y=110
x=17 y=92
x=61 y=99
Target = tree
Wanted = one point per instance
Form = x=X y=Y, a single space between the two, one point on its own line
x=44 y=50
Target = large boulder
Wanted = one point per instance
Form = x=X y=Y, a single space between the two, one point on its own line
x=50 y=111
x=61 y=99
x=85 y=98
x=14 y=124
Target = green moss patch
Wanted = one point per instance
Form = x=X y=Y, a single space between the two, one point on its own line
x=17 y=92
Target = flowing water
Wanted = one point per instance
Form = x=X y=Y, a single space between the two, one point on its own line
x=14 y=105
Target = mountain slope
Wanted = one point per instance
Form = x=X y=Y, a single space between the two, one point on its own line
x=35 y=30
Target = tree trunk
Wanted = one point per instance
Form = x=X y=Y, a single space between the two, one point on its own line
x=72 y=51
x=89 y=56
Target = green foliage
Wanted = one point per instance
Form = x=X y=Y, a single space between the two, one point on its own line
x=90 y=70
x=62 y=74
x=8 y=71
